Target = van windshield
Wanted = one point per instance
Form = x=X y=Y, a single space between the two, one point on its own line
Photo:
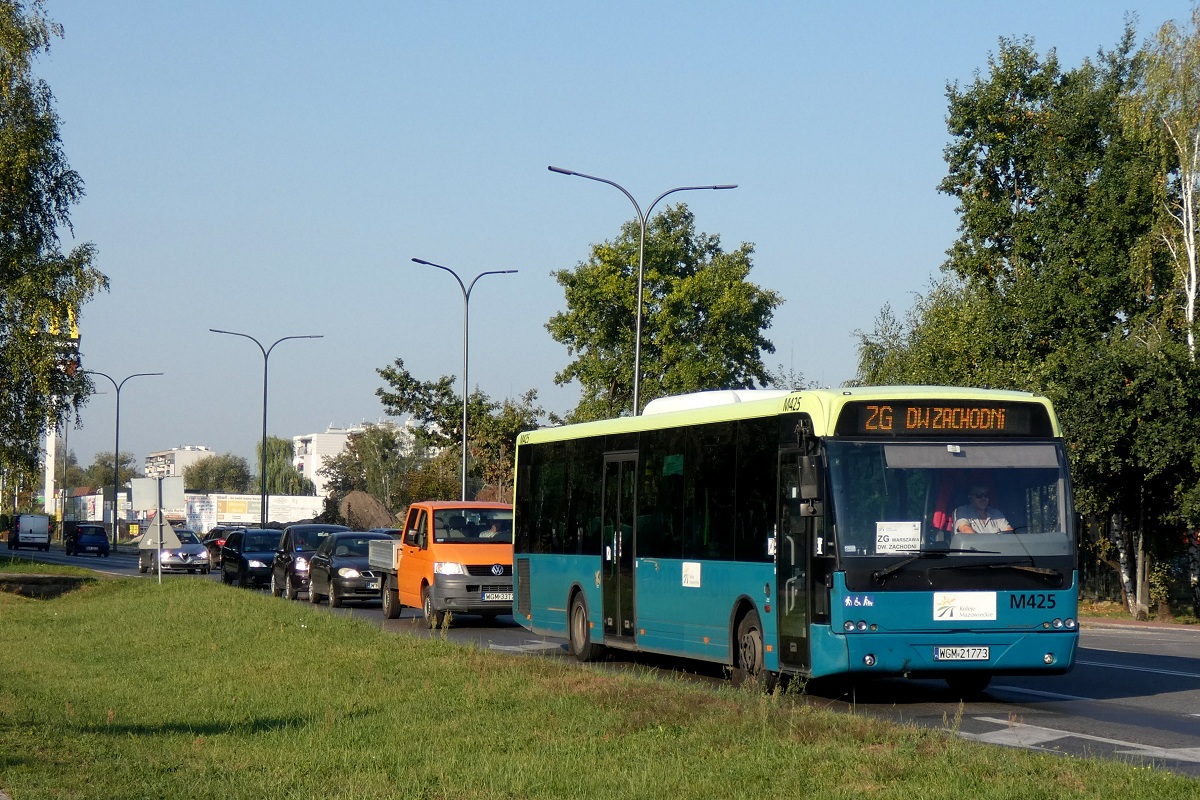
x=473 y=526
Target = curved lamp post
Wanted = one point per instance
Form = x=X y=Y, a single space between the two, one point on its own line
x=466 y=293
x=117 y=443
x=637 y=338
x=266 y=351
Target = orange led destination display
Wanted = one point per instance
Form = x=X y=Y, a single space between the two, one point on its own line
x=942 y=418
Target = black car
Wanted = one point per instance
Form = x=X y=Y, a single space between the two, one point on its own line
x=339 y=569
x=85 y=539
x=215 y=540
x=247 y=555
x=289 y=573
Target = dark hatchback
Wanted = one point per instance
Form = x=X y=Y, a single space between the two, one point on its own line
x=247 y=556
x=87 y=539
x=339 y=569
x=289 y=572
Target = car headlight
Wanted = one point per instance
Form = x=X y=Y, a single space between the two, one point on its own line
x=448 y=568
x=348 y=572
x=254 y=563
x=301 y=564
x=202 y=556
x=164 y=555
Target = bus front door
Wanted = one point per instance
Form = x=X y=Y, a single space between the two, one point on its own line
x=794 y=534
x=620 y=473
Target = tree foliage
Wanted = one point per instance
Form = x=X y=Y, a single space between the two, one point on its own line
x=99 y=474
x=492 y=428
x=224 y=473
x=282 y=476
x=1059 y=282
x=702 y=320
x=41 y=287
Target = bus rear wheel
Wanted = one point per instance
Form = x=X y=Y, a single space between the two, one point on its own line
x=579 y=633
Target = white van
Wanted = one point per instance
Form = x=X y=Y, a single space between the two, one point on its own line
x=29 y=530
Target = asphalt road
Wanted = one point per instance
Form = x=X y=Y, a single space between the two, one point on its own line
x=1134 y=694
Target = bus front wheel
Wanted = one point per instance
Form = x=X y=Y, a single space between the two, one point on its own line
x=578 y=632
x=749 y=667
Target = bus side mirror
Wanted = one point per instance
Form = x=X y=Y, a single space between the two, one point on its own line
x=812 y=481
x=812 y=478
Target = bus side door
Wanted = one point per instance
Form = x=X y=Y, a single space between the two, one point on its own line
x=793 y=545
x=618 y=515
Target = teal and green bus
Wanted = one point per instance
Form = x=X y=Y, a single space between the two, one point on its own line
x=910 y=531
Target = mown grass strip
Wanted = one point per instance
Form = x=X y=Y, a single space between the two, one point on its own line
x=128 y=689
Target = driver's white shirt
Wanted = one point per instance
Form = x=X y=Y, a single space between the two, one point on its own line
x=994 y=522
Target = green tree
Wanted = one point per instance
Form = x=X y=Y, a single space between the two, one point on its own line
x=219 y=473
x=282 y=476
x=41 y=288
x=492 y=428
x=702 y=324
x=1059 y=284
x=1167 y=102
x=99 y=474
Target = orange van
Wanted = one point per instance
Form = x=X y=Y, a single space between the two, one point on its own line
x=451 y=557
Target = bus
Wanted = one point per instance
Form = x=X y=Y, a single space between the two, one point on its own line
x=808 y=533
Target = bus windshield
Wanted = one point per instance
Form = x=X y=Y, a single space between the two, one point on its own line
x=980 y=498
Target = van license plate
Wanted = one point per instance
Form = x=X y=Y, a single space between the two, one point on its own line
x=961 y=653
x=372 y=584
x=498 y=596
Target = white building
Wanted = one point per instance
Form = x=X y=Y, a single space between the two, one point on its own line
x=312 y=451
x=172 y=463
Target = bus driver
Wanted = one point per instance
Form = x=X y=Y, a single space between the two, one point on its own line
x=979 y=517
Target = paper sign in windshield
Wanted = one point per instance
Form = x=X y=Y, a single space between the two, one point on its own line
x=897 y=537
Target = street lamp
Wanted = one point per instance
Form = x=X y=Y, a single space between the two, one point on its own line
x=117 y=443
x=266 y=351
x=637 y=339
x=466 y=293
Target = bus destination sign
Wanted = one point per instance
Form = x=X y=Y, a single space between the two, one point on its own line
x=941 y=418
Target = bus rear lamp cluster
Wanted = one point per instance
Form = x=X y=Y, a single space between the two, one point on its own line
x=850 y=626
x=1067 y=624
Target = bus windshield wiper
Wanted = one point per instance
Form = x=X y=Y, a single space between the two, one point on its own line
x=881 y=576
x=1052 y=576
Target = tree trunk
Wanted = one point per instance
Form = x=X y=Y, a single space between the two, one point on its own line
x=1117 y=532
x=1194 y=569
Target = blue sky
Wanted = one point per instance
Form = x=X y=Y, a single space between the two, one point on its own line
x=272 y=167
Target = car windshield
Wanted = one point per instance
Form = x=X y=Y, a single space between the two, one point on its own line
x=187 y=537
x=897 y=499
x=310 y=540
x=354 y=547
x=473 y=526
x=261 y=542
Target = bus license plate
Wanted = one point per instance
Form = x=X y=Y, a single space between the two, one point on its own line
x=498 y=596
x=961 y=653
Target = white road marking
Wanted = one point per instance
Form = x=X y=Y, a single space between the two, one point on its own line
x=1019 y=734
x=534 y=647
x=1140 y=669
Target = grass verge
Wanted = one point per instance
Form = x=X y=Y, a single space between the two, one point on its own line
x=129 y=689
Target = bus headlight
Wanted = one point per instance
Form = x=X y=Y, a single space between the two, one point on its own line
x=1048 y=659
x=869 y=660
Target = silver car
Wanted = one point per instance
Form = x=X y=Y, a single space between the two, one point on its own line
x=191 y=556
